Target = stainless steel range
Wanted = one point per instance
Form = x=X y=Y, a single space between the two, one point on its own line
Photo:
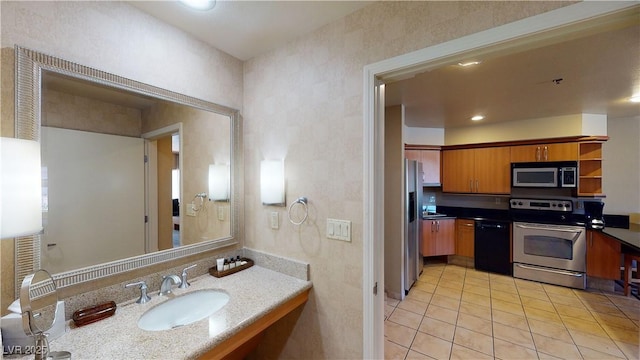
x=549 y=242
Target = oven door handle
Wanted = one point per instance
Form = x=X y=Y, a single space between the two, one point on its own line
x=550 y=270
x=549 y=229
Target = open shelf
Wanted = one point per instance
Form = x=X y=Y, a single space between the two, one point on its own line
x=590 y=169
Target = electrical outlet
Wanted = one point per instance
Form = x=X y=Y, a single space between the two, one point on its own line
x=191 y=209
x=274 y=220
x=339 y=229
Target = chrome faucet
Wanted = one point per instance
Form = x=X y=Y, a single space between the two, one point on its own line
x=144 y=298
x=165 y=287
x=185 y=284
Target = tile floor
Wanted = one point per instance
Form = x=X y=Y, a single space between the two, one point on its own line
x=458 y=313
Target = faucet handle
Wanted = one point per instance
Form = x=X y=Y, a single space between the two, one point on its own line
x=143 y=291
x=184 y=284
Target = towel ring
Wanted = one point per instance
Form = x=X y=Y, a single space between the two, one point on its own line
x=301 y=200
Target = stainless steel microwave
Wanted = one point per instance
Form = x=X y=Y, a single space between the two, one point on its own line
x=553 y=174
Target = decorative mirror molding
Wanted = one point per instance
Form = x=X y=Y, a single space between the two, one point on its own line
x=30 y=65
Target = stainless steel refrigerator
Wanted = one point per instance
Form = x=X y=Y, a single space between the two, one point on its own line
x=413 y=262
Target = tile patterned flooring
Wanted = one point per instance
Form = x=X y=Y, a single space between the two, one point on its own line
x=454 y=312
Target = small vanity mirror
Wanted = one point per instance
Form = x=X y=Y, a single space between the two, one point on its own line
x=38 y=300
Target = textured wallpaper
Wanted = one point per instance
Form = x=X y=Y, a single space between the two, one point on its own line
x=303 y=102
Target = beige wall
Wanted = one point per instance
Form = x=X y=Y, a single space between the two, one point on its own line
x=621 y=167
x=393 y=201
x=205 y=140
x=62 y=110
x=557 y=126
x=303 y=102
x=117 y=38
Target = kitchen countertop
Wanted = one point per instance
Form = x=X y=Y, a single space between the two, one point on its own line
x=629 y=237
x=254 y=292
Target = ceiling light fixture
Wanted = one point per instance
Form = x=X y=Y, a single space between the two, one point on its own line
x=477 y=118
x=635 y=99
x=199 y=4
x=469 y=63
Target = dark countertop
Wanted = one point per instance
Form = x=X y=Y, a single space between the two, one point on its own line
x=475 y=213
x=629 y=237
x=431 y=217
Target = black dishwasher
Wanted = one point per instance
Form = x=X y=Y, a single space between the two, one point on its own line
x=491 y=247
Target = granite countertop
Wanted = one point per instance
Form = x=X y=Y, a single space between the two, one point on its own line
x=629 y=237
x=253 y=292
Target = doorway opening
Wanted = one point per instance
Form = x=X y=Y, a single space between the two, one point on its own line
x=535 y=31
x=163 y=180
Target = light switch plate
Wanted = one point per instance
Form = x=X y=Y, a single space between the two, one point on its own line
x=274 y=220
x=339 y=229
x=191 y=211
x=221 y=213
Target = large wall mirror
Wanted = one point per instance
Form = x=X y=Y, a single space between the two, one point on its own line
x=132 y=174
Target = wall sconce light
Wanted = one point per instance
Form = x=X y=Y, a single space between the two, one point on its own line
x=20 y=188
x=219 y=182
x=272 y=182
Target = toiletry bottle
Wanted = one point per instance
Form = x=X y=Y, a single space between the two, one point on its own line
x=238 y=263
x=226 y=264
x=232 y=263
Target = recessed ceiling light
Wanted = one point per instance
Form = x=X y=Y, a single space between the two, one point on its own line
x=477 y=118
x=200 y=4
x=469 y=63
x=635 y=99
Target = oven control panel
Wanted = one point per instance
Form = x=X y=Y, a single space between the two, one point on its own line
x=541 y=204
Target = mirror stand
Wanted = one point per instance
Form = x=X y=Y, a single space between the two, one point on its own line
x=38 y=302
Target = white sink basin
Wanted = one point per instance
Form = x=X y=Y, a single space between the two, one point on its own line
x=183 y=310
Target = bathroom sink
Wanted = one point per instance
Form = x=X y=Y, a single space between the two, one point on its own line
x=183 y=310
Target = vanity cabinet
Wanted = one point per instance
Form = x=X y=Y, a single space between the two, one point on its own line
x=479 y=170
x=465 y=236
x=438 y=237
x=603 y=256
x=430 y=160
x=545 y=152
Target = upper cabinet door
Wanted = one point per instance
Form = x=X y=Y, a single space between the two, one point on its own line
x=430 y=166
x=545 y=152
x=458 y=171
x=560 y=152
x=493 y=168
x=526 y=153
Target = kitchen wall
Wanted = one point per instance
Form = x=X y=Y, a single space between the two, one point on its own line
x=394 y=202
x=303 y=102
x=117 y=38
x=556 y=126
x=621 y=167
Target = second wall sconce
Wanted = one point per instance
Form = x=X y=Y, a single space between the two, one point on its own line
x=219 y=182
x=272 y=189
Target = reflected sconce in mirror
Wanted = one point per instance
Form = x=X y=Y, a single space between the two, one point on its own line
x=272 y=182
x=219 y=188
x=20 y=188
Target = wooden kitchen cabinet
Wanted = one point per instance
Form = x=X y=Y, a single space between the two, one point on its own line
x=430 y=160
x=603 y=256
x=545 y=152
x=480 y=170
x=438 y=237
x=465 y=236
